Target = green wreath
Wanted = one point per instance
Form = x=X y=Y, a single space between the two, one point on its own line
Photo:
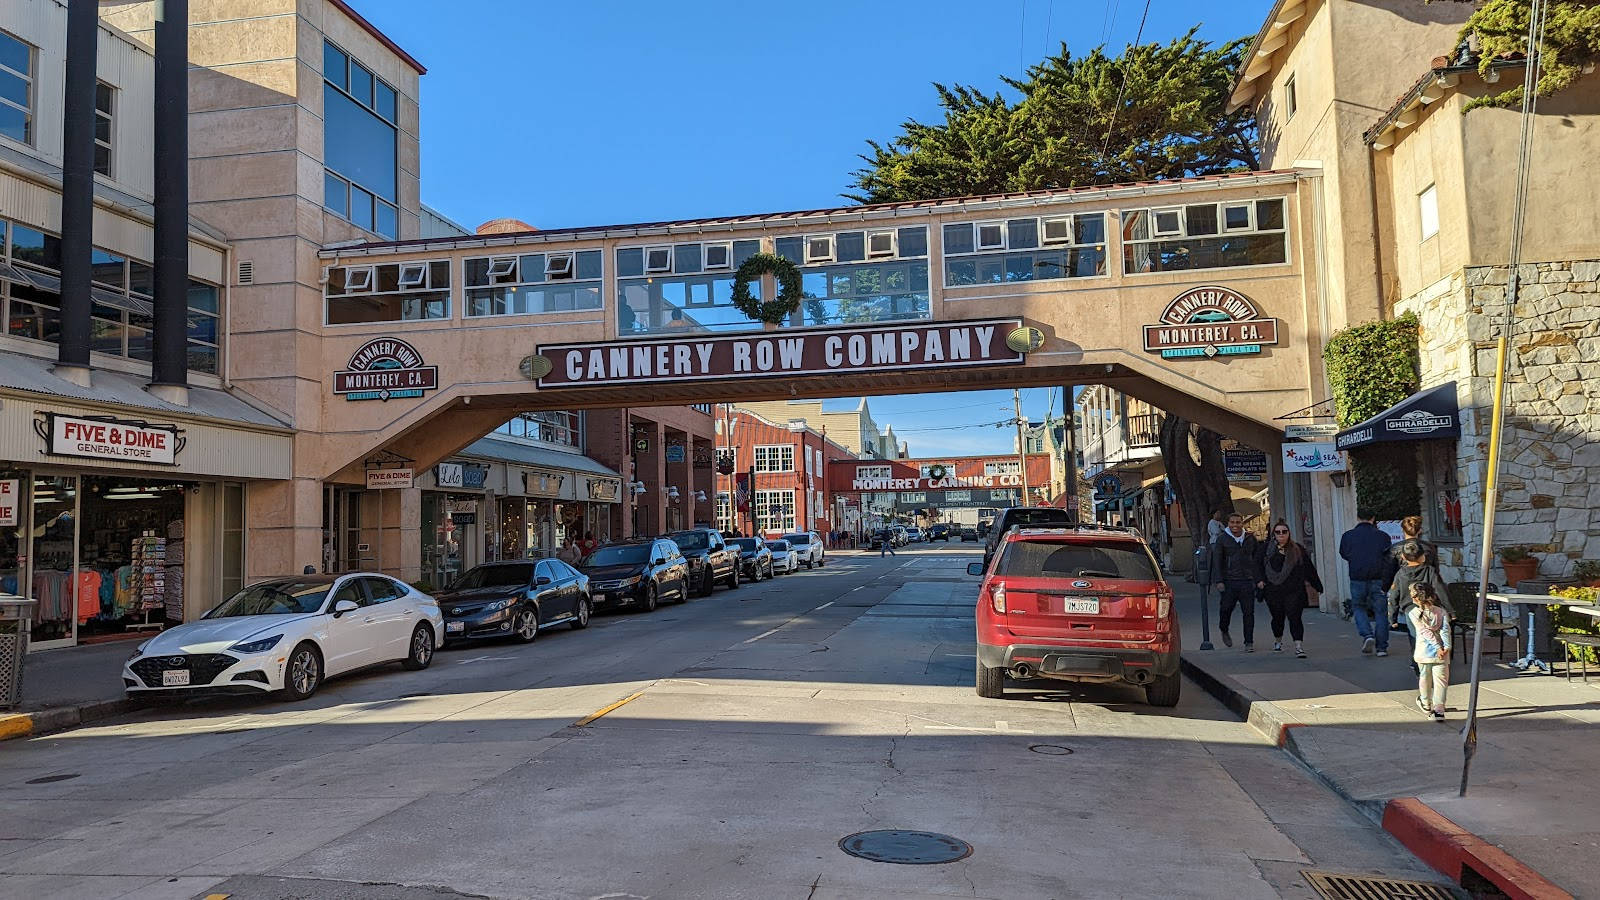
x=937 y=472
x=790 y=289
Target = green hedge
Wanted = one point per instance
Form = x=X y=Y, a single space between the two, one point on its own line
x=1371 y=367
x=1565 y=621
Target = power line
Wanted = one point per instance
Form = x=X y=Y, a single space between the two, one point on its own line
x=1022 y=37
x=1109 y=20
x=1049 y=20
x=1127 y=61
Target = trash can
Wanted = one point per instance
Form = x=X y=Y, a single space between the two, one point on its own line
x=16 y=614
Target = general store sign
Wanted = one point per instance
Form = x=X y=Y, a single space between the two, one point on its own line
x=385 y=369
x=387 y=479
x=110 y=439
x=1210 y=321
x=812 y=351
x=10 y=502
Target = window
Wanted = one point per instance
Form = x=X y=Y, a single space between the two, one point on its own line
x=560 y=427
x=1204 y=236
x=16 y=89
x=360 y=144
x=1290 y=103
x=880 y=244
x=774 y=511
x=719 y=255
x=1024 y=249
x=533 y=283
x=389 y=292
x=874 y=473
x=658 y=259
x=104 y=103
x=725 y=512
x=666 y=288
x=1443 y=491
x=1113 y=559
x=1011 y=467
x=819 y=249
x=775 y=458
x=946 y=470
x=857 y=276
x=1428 y=211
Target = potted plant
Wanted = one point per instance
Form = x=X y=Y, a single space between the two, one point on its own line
x=1519 y=565
x=1587 y=572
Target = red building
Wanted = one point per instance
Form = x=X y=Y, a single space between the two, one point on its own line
x=944 y=489
x=778 y=483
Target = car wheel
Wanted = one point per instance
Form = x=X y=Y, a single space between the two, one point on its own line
x=303 y=675
x=525 y=625
x=769 y=571
x=808 y=562
x=733 y=578
x=707 y=585
x=1164 y=690
x=421 y=648
x=683 y=593
x=822 y=561
x=580 y=617
x=649 y=602
x=991 y=682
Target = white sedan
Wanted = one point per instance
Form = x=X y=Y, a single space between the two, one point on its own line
x=785 y=558
x=288 y=635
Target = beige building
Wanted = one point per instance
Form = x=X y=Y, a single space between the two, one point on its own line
x=853 y=428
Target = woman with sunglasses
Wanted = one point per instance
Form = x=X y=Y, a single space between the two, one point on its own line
x=1291 y=583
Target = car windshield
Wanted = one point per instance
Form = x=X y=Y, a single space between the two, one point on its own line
x=750 y=545
x=778 y=546
x=625 y=555
x=1105 y=559
x=692 y=540
x=494 y=576
x=273 y=598
x=1036 y=516
x=801 y=539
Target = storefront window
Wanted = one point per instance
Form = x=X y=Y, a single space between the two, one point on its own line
x=232 y=538
x=14 y=508
x=512 y=535
x=1443 y=491
x=54 y=534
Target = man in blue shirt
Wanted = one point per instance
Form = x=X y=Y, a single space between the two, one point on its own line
x=1365 y=548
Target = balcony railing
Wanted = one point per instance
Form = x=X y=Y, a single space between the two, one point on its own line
x=1144 y=430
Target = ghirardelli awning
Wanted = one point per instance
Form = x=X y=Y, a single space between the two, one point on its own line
x=1425 y=415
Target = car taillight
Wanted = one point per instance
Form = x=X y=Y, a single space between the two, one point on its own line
x=997 y=598
x=1164 y=604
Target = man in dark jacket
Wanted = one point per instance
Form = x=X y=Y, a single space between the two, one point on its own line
x=1236 y=569
x=1365 y=549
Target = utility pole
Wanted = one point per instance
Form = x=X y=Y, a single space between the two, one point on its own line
x=1022 y=445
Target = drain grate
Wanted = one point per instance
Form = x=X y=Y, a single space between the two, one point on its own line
x=52 y=779
x=907 y=848
x=1343 y=886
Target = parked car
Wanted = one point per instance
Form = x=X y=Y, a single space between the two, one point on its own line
x=809 y=545
x=785 y=558
x=710 y=559
x=899 y=531
x=881 y=537
x=287 y=635
x=514 y=599
x=914 y=535
x=755 y=559
x=969 y=533
x=1024 y=516
x=638 y=574
x=939 y=532
x=1078 y=604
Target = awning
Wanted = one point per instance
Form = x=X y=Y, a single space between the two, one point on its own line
x=1426 y=415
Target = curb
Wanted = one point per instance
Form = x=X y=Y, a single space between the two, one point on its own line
x=44 y=721
x=1460 y=855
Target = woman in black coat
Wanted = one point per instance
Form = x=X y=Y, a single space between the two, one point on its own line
x=1291 y=576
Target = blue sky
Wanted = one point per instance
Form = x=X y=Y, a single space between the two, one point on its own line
x=617 y=111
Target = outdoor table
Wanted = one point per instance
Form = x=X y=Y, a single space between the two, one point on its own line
x=1531 y=660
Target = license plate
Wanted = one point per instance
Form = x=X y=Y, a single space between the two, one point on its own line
x=454 y=626
x=599 y=598
x=175 y=678
x=1090 y=605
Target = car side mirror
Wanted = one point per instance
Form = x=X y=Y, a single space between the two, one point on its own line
x=974 y=568
x=541 y=581
x=344 y=606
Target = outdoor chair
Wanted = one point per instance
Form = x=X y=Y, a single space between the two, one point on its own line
x=1464 y=599
x=1573 y=645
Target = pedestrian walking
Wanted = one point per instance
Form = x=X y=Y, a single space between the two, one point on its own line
x=1430 y=622
x=1215 y=526
x=1411 y=529
x=1364 y=549
x=1414 y=569
x=885 y=545
x=1236 y=568
x=1292 y=584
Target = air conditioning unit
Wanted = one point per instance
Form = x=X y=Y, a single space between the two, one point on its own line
x=658 y=259
x=413 y=275
x=1057 y=230
x=719 y=255
x=358 y=279
x=819 y=248
x=880 y=244
x=558 y=266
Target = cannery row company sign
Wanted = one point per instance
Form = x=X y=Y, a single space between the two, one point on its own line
x=102 y=437
x=385 y=369
x=1210 y=321
x=793 y=352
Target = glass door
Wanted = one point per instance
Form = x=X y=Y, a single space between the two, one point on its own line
x=54 y=557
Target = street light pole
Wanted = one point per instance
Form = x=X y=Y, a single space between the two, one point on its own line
x=1022 y=445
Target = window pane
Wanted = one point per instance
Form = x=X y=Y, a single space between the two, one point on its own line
x=102 y=129
x=42 y=323
x=958 y=239
x=102 y=160
x=1089 y=229
x=358 y=145
x=333 y=65
x=14 y=54
x=1022 y=234
x=360 y=84
x=105 y=337
x=1269 y=214
x=102 y=97
x=106 y=268
x=203 y=358
x=202 y=327
x=202 y=297
x=790 y=248
x=388 y=221
x=630 y=262
x=1235 y=217
x=850 y=246
x=589 y=264
x=14 y=123
x=141 y=278
x=743 y=250
x=386 y=101
x=360 y=207
x=1201 y=219
x=139 y=346
x=335 y=194
x=14 y=89
x=686 y=258
x=913 y=242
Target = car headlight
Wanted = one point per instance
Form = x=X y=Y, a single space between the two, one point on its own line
x=497 y=606
x=633 y=579
x=257 y=646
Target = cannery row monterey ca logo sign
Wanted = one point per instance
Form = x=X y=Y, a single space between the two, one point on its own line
x=821 y=351
x=1210 y=321
x=385 y=369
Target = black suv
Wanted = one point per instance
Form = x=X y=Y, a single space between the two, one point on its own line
x=939 y=532
x=1025 y=516
x=638 y=573
x=710 y=559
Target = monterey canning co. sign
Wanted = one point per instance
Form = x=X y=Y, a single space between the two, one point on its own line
x=1210 y=321
x=820 y=351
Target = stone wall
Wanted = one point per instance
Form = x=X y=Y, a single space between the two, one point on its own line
x=1550 y=479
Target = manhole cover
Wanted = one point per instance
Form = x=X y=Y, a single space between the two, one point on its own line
x=1342 y=886
x=1050 y=749
x=52 y=779
x=909 y=848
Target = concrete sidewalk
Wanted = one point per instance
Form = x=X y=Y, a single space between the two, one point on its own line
x=1352 y=720
x=67 y=687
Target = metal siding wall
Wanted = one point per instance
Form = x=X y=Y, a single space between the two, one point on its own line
x=131 y=70
x=43 y=23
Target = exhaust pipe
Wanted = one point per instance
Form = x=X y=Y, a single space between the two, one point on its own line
x=1139 y=676
x=1021 y=671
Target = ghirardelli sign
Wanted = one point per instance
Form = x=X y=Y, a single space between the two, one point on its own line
x=791 y=352
x=1210 y=321
x=385 y=369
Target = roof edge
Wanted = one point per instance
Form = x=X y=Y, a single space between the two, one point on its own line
x=383 y=39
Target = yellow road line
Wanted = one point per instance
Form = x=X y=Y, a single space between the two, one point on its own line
x=605 y=709
x=15 y=726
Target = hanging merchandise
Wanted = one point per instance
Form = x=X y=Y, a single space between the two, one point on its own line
x=149 y=566
x=174 y=571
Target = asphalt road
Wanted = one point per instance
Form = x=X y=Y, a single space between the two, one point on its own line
x=760 y=727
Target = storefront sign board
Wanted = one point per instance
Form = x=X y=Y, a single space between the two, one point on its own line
x=604 y=490
x=1210 y=321
x=110 y=439
x=1321 y=456
x=1310 y=432
x=1244 y=465
x=385 y=479
x=449 y=475
x=540 y=483
x=10 y=502
x=790 y=352
x=674 y=453
x=385 y=369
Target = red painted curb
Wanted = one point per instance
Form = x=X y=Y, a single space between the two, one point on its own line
x=1455 y=851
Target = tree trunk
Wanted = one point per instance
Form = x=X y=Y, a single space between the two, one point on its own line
x=1193 y=457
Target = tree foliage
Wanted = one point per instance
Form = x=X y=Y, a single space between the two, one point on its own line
x=1156 y=111
x=1571 y=42
x=1371 y=367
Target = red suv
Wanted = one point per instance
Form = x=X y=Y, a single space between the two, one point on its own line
x=1079 y=604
